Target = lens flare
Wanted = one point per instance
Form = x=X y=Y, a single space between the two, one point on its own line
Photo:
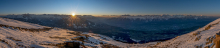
x=73 y=14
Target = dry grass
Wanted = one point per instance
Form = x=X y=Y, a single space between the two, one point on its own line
x=13 y=39
x=217 y=40
x=207 y=47
x=25 y=29
x=79 y=34
x=80 y=39
x=60 y=45
x=65 y=45
x=75 y=33
x=198 y=46
x=196 y=33
x=208 y=27
x=20 y=45
x=109 y=46
x=209 y=40
x=212 y=45
x=5 y=42
x=198 y=38
x=56 y=37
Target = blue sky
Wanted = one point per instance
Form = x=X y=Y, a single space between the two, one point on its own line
x=111 y=7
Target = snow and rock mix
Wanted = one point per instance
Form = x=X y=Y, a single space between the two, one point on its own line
x=17 y=34
x=200 y=38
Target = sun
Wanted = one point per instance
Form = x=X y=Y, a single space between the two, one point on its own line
x=73 y=14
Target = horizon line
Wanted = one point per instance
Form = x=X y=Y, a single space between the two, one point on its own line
x=115 y=14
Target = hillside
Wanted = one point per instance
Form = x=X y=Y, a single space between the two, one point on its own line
x=17 y=34
x=130 y=29
x=203 y=37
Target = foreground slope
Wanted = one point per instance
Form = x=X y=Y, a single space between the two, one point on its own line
x=17 y=34
x=202 y=37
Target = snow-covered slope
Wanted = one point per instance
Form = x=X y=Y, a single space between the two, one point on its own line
x=19 y=23
x=202 y=37
x=146 y=28
x=17 y=34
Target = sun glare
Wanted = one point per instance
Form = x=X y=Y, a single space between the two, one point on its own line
x=73 y=14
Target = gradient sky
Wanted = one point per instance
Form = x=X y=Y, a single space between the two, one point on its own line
x=111 y=7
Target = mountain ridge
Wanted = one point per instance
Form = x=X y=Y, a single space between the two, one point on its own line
x=10 y=37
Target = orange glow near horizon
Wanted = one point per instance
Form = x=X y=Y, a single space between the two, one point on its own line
x=73 y=14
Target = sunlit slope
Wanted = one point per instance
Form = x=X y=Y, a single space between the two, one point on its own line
x=21 y=34
x=155 y=28
x=202 y=37
x=17 y=34
x=19 y=23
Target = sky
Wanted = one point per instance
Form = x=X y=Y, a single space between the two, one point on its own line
x=111 y=7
